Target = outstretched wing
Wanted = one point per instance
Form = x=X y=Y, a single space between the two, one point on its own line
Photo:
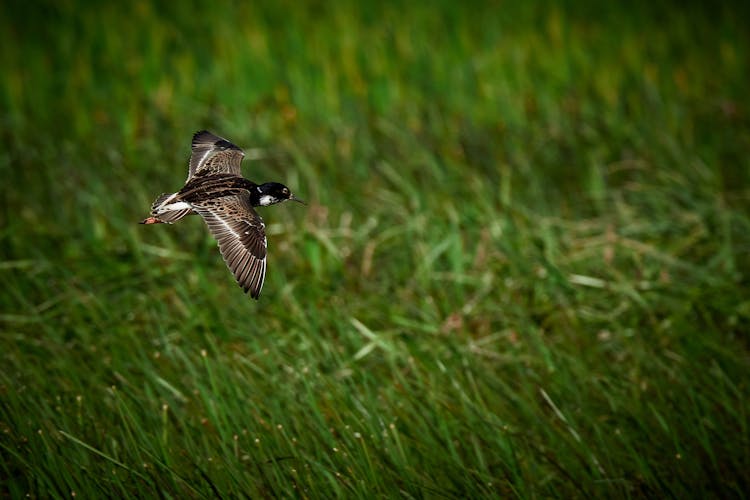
x=241 y=234
x=211 y=155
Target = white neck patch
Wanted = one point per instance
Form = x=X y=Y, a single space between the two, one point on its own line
x=266 y=200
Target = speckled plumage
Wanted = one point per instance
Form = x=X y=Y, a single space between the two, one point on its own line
x=216 y=190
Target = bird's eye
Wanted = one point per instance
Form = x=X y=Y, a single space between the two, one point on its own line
x=285 y=191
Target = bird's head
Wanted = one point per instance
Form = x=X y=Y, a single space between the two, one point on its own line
x=271 y=193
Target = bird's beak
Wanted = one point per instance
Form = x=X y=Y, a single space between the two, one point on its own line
x=293 y=198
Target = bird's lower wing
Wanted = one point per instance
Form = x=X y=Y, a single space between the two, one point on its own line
x=241 y=234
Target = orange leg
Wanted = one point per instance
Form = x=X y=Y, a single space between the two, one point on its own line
x=151 y=220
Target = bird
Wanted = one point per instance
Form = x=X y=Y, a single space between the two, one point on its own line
x=216 y=190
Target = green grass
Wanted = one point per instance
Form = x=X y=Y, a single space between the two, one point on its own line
x=523 y=270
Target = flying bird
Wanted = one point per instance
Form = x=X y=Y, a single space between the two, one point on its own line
x=216 y=190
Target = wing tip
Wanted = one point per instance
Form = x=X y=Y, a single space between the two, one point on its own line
x=255 y=284
x=255 y=294
x=206 y=137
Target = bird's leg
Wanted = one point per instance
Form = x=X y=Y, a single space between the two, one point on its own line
x=151 y=220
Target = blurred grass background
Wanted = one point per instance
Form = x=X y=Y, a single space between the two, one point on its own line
x=522 y=272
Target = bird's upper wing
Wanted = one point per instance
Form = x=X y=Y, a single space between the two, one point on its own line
x=241 y=234
x=211 y=154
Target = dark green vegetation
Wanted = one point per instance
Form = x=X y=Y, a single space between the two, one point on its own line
x=523 y=270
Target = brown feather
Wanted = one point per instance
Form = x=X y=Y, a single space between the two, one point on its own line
x=212 y=154
x=241 y=235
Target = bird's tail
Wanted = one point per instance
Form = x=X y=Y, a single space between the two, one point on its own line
x=166 y=209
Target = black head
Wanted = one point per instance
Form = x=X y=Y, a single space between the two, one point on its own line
x=273 y=192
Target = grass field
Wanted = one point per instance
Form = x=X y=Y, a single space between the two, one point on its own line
x=523 y=270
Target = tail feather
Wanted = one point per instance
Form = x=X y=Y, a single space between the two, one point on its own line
x=160 y=201
x=173 y=215
x=168 y=216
